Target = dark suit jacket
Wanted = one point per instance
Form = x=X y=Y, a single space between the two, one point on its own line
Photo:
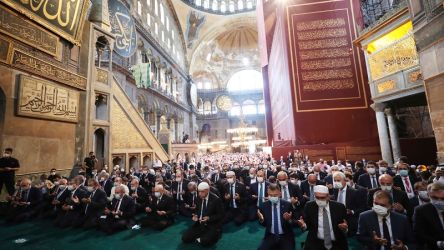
x=295 y=192
x=305 y=187
x=127 y=207
x=107 y=185
x=254 y=191
x=98 y=203
x=34 y=197
x=63 y=196
x=266 y=211
x=368 y=222
x=166 y=204
x=79 y=193
x=338 y=214
x=397 y=182
x=215 y=211
x=397 y=195
x=142 y=195
x=351 y=200
x=175 y=188
x=427 y=226
x=364 y=180
x=239 y=189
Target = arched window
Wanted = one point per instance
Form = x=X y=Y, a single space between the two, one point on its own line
x=240 y=4
x=207 y=107
x=235 y=109
x=249 y=107
x=261 y=107
x=231 y=6
x=223 y=7
x=198 y=2
x=245 y=80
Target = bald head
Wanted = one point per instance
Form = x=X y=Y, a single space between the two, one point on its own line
x=312 y=179
x=385 y=180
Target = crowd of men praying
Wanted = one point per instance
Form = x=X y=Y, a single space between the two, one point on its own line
x=383 y=206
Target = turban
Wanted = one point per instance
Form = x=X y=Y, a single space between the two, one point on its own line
x=320 y=189
x=203 y=186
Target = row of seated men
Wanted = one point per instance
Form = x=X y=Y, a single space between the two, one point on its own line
x=91 y=204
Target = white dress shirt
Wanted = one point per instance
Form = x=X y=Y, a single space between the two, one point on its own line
x=321 y=223
x=343 y=195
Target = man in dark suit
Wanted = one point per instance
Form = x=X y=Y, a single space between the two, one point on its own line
x=380 y=228
x=22 y=206
x=369 y=180
x=317 y=171
x=235 y=195
x=401 y=203
x=421 y=195
x=207 y=227
x=428 y=219
x=404 y=180
x=291 y=193
x=161 y=210
x=139 y=194
x=119 y=215
x=258 y=192
x=188 y=206
x=178 y=188
x=325 y=221
x=73 y=207
x=58 y=199
x=106 y=183
x=307 y=187
x=275 y=215
x=93 y=205
x=348 y=196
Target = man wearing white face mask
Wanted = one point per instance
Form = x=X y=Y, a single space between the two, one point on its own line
x=325 y=221
x=118 y=182
x=291 y=193
x=428 y=221
x=235 y=195
x=161 y=210
x=404 y=181
x=401 y=203
x=119 y=214
x=421 y=196
x=73 y=208
x=381 y=228
x=369 y=180
x=258 y=192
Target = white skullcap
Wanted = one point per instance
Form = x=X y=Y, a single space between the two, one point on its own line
x=203 y=186
x=320 y=189
x=230 y=173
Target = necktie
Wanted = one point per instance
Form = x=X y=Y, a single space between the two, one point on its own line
x=285 y=193
x=327 y=236
x=311 y=193
x=386 y=234
x=179 y=185
x=232 y=195
x=203 y=211
x=407 y=185
x=259 y=202
x=340 y=197
x=275 y=219
x=87 y=205
x=373 y=182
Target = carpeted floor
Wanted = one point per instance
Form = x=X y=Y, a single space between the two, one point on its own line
x=41 y=234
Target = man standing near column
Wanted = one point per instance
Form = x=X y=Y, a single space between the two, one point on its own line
x=8 y=166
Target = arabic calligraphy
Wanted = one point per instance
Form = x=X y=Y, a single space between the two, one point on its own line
x=34 y=65
x=43 y=99
x=123 y=28
x=330 y=85
x=65 y=17
x=27 y=32
x=323 y=33
x=320 y=24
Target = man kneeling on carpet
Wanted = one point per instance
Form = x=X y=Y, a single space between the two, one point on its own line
x=161 y=209
x=207 y=227
x=120 y=214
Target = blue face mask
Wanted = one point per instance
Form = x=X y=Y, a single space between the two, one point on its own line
x=403 y=173
x=273 y=200
x=438 y=204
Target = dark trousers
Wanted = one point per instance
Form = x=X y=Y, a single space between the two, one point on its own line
x=281 y=242
x=19 y=214
x=110 y=225
x=67 y=218
x=208 y=235
x=252 y=212
x=155 y=221
x=9 y=181
x=187 y=212
x=86 y=221
x=237 y=215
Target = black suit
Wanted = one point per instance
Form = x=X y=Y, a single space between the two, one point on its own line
x=188 y=206
x=210 y=231
x=159 y=222
x=236 y=210
x=294 y=192
x=427 y=226
x=398 y=197
x=112 y=223
x=92 y=210
x=275 y=240
x=142 y=198
x=107 y=185
x=176 y=187
x=21 y=213
x=338 y=214
x=397 y=182
x=252 y=204
x=364 y=180
x=67 y=218
x=305 y=189
x=352 y=203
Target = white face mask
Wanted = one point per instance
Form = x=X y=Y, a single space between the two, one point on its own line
x=230 y=180
x=371 y=170
x=386 y=188
x=260 y=179
x=6 y=155
x=382 y=169
x=283 y=183
x=157 y=194
x=337 y=185
x=321 y=203
x=380 y=210
x=178 y=179
x=133 y=188
x=252 y=176
x=70 y=187
x=62 y=186
x=90 y=189
x=273 y=200
x=117 y=196
x=293 y=181
x=423 y=195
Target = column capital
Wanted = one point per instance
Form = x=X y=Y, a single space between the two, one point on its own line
x=378 y=106
x=388 y=111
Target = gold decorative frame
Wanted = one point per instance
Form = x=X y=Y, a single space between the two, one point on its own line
x=31 y=64
x=101 y=75
x=75 y=39
x=15 y=19
x=386 y=86
x=9 y=47
x=47 y=104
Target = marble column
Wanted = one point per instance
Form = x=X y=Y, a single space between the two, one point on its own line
x=394 y=137
x=176 y=132
x=383 y=133
x=158 y=124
